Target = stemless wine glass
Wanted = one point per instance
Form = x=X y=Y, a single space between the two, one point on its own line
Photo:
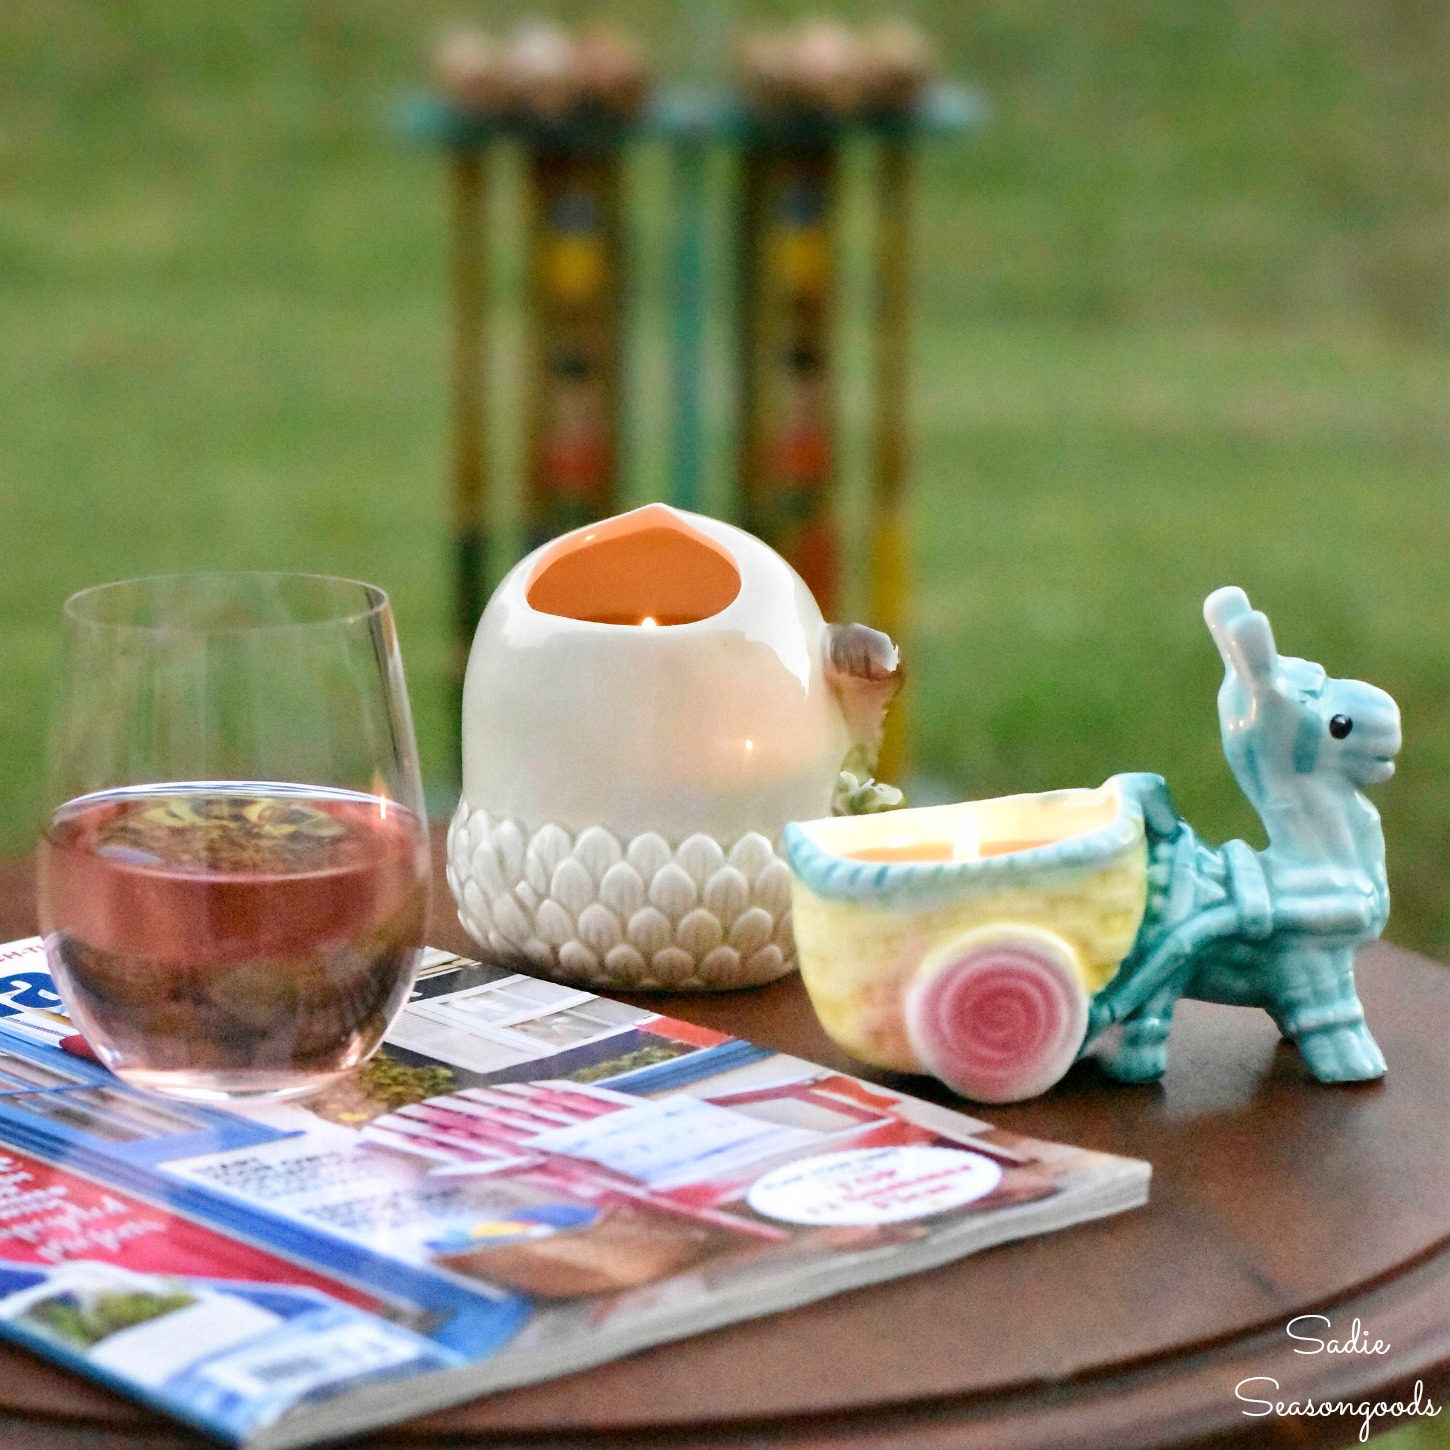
x=233 y=877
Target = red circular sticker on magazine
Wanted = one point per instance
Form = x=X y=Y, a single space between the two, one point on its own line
x=864 y=1186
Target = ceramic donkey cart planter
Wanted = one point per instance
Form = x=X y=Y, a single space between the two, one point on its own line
x=989 y=943
x=648 y=702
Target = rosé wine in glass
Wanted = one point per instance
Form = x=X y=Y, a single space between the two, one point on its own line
x=233 y=877
x=216 y=938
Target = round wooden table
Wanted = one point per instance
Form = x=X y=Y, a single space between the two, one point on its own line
x=1272 y=1197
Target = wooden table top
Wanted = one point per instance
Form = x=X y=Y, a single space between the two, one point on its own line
x=1272 y=1196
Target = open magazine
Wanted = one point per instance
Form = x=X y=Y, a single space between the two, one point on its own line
x=524 y=1181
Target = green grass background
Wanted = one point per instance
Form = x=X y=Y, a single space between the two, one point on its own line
x=1183 y=320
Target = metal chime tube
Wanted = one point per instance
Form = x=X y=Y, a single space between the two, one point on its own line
x=576 y=292
x=788 y=459
x=687 y=301
x=470 y=457
x=889 y=540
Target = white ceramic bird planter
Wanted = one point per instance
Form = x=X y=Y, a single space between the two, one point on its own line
x=648 y=702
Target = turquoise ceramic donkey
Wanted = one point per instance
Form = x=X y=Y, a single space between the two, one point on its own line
x=1277 y=928
x=991 y=943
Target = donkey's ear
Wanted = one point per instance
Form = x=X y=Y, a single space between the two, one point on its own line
x=1223 y=605
x=1248 y=646
x=1242 y=635
x=1220 y=609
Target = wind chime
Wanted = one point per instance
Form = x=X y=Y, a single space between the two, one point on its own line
x=806 y=89
x=571 y=102
x=568 y=100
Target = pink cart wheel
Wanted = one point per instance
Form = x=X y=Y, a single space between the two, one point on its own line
x=998 y=1016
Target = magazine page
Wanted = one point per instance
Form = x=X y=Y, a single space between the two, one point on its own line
x=526 y=1179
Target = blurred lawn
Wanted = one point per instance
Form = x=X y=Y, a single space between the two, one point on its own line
x=1184 y=320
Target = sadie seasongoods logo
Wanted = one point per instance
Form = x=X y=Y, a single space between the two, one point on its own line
x=1315 y=1334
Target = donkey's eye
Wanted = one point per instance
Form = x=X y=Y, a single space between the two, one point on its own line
x=1340 y=726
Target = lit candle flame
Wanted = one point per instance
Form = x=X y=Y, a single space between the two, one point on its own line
x=650 y=622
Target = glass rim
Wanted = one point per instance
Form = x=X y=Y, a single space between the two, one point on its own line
x=75 y=608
